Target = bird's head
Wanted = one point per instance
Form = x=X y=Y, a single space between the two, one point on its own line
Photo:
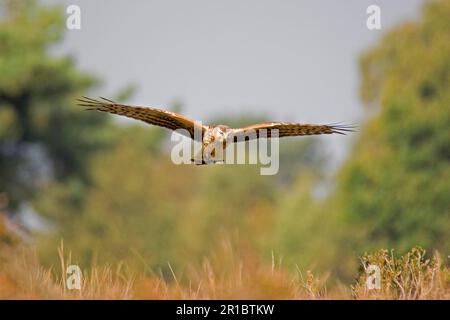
x=220 y=133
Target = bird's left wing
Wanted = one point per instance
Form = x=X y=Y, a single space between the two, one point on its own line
x=286 y=129
x=158 y=117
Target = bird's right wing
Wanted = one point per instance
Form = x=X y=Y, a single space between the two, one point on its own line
x=158 y=117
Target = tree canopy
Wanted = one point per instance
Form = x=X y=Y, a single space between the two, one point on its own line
x=395 y=184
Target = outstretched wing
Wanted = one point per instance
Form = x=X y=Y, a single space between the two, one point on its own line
x=288 y=130
x=158 y=117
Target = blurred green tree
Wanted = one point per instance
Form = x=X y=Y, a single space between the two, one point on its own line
x=131 y=211
x=49 y=146
x=43 y=135
x=394 y=189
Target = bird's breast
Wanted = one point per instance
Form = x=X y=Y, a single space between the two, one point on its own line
x=208 y=137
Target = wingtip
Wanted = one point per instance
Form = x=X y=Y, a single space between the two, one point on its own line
x=93 y=104
x=343 y=129
x=107 y=100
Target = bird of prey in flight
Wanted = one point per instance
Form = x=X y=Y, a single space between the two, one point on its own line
x=210 y=135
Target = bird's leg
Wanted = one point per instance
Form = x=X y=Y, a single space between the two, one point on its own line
x=198 y=158
x=198 y=162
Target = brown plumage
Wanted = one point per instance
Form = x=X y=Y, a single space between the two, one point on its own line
x=287 y=129
x=218 y=134
x=157 y=117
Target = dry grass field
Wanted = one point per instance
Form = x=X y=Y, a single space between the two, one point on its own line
x=407 y=277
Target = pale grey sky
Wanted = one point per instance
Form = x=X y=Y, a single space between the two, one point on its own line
x=290 y=60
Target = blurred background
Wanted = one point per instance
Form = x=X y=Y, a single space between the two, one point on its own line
x=106 y=186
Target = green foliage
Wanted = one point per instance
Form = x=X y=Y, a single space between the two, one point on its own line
x=128 y=209
x=299 y=216
x=141 y=207
x=36 y=92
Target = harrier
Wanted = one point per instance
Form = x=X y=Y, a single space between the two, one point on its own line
x=211 y=135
